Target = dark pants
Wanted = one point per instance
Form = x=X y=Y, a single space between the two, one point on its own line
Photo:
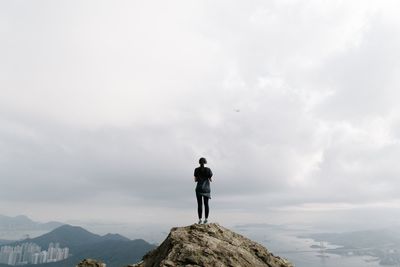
x=200 y=206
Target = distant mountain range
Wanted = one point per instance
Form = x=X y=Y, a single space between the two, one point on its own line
x=22 y=222
x=113 y=249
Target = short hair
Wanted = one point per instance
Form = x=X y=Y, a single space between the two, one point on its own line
x=202 y=161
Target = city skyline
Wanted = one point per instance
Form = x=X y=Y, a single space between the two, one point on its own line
x=31 y=253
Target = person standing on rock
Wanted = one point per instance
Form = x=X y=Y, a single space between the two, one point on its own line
x=202 y=175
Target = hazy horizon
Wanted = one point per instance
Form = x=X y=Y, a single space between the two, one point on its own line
x=106 y=107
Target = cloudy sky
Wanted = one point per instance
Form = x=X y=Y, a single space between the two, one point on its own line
x=106 y=107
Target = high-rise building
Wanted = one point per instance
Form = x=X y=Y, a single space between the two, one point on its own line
x=12 y=260
x=66 y=253
x=35 y=258
x=43 y=257
x=30 y=253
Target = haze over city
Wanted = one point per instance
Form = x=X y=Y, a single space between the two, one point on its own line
x=106 y=107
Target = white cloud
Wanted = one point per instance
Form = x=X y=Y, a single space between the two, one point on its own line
x=292 y=102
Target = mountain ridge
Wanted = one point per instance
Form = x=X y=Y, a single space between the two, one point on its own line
x=23 y=222
x=114 y=249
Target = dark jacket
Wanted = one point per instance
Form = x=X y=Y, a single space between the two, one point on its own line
x=203 y=176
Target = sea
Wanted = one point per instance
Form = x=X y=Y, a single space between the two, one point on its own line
x=286 y=243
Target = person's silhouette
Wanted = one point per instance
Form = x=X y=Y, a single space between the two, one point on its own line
x=202 y=175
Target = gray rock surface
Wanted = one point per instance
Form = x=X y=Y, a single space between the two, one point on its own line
x=209 y=245
x=90 y=263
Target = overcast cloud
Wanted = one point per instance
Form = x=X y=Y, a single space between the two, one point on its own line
x=106 y=106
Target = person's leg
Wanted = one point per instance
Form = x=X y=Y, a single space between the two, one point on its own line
x=199 y=205
x=206 y=208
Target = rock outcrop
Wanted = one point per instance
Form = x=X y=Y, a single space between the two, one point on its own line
x=90 y=263
x=209 y=245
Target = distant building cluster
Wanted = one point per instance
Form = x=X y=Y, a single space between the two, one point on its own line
x=30 y=253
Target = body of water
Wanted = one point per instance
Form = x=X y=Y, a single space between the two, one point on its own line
x=285 y=243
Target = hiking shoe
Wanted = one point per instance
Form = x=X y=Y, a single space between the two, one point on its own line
x=205 y=221
x=199 y=221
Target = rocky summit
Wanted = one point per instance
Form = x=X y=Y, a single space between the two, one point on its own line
x=209 y=245
x=90 y=263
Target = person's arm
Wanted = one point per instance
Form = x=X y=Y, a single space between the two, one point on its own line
x=195 y=175
x=211 y=174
